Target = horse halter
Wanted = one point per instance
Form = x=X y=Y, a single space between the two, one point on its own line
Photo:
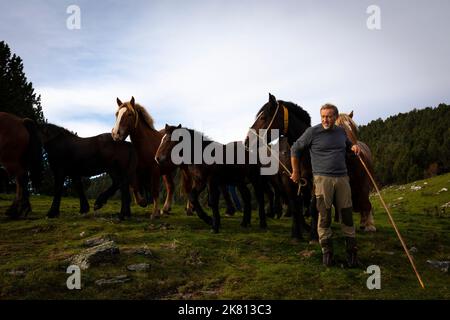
x=285 y=119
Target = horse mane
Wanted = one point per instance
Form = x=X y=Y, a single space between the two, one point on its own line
x=293 y=109
x=351 y=128
x=148 y=119
x=194 y=132
x=57 y=130
x=298 y=111
x=141 y=111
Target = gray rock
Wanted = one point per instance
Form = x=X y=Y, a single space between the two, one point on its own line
x=17 y=272
x=105 y=252
x=92 y=242
x=144 y=252
x=442 y=265
x=115 y=280
x=139 y=267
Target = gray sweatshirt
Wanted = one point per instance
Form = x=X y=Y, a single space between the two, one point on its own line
x=327 y=149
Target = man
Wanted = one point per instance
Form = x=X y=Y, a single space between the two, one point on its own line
x=327 y=144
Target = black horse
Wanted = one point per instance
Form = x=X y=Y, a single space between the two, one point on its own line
x=214 y=175
x=75 y=157
x=291 y=120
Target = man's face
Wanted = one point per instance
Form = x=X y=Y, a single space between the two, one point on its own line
x=328 y=118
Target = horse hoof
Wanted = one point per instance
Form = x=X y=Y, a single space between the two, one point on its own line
x=97 y=206
x=370 y=229
x=142 y=203
x=166 y=212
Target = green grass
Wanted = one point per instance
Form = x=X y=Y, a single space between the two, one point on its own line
x=189 y=262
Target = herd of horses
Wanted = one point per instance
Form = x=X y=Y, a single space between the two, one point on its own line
x=138 y=167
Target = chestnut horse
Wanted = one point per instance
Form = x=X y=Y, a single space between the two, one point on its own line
x=133 y=120
x=359 y=180
x=20 y=152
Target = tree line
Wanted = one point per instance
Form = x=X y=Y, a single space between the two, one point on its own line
x=410 y=146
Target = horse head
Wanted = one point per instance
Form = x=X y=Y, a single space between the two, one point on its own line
x=126 y=119
x=163 y=154
x=351 y=129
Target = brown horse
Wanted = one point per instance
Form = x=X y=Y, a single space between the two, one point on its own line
x=133 y=120
x=20 y=152
x=359 y=180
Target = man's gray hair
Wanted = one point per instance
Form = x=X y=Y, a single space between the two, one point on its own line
x=330 y=106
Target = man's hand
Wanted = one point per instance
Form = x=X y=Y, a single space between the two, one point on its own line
x=295 y=171
x=356 y=149
x=295 y=176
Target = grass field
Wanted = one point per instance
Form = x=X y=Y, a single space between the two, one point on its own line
x=187 y=261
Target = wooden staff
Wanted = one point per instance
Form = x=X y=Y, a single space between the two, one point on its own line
x=393 y=224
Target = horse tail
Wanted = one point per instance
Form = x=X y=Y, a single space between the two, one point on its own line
x=33 y=153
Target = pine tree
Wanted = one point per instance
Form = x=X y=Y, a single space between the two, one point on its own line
x=17 y=95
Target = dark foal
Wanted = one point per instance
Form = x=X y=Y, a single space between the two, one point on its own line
x=70 y=155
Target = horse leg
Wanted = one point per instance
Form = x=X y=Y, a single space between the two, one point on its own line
x=14 y=211
x=296 y=230
x=271 y=195
x=246 y=198
x=108 y=193
x=259 y=192
x=125 y=210
x=229 y=203
x=369 y=225
x=193 y=198
x=156 y=214
x=25 y=208
x=54 y=209
x=314 y=235
x=214 y=193
x=170 y=187
x=84 y=204
x=277 y=207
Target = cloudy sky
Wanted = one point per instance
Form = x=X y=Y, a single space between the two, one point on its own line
x=211 y=64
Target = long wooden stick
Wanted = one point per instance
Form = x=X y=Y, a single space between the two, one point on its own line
x=393 y=224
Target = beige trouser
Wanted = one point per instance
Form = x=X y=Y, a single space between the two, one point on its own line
x=337 y=190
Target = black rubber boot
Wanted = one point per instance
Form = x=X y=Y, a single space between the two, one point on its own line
x=327 y=252
x=352 y=249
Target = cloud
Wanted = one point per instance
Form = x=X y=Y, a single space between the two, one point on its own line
x=210 y=65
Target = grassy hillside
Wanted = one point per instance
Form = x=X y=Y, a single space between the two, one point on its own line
x=188 y=262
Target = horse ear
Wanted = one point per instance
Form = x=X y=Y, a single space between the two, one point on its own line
x=272 y=99
x=351 y=114
x=119 y=103
x=132 y=101
x=179 y=126
x=166 y=127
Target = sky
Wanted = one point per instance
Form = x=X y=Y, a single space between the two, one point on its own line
x=210 y=65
